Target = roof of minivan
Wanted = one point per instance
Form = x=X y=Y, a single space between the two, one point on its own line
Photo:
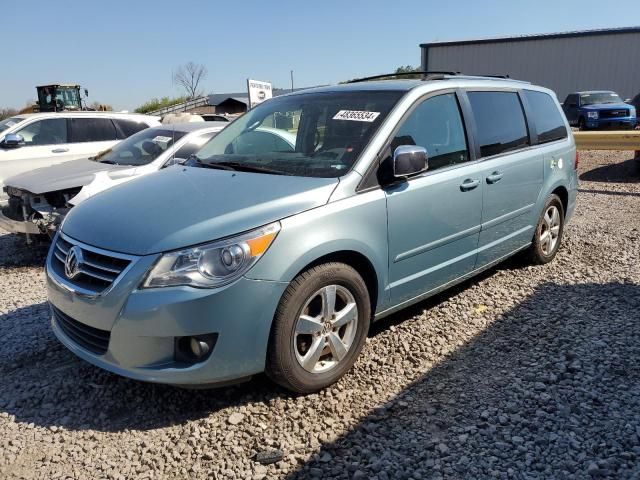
x=86 y=112
x=406 y=85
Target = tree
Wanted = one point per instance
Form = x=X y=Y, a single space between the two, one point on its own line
x=189 y=76
x=409 y=69
x=158 y=103
x=7 y=112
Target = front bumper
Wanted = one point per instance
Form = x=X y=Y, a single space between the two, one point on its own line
x=15 y=226
x=142 y=326
x=612 y=123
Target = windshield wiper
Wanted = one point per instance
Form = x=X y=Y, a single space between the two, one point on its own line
x=243 y=167
x=195 y=160
x=110 y=162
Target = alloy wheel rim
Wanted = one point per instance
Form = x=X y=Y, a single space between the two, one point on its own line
x=325 y=329
x=549 y=230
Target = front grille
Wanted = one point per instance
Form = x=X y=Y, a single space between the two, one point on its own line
x=89 y=338
x=96 y=270
x=614 y=113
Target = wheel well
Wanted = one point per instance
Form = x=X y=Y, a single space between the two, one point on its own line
x=564 y=197
x=359 y=263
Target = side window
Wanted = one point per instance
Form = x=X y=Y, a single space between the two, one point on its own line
x=500 y=122
x=436 y=124
x=52 y=131
x=92 y=130
x=571 y=101
x=126 y=128
x=193 y=145
x=547 y=118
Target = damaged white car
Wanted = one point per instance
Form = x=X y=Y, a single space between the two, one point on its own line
x=39 y=199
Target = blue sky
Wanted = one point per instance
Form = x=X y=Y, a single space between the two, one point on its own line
x=124 y=51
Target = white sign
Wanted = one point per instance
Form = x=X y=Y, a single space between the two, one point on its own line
x=356 y=115
x=258 y=92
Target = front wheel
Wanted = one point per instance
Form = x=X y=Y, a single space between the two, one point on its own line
x=582 y=124
x=548 y=234
x=319 y=328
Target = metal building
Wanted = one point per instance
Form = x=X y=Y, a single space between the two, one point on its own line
x=606 y=59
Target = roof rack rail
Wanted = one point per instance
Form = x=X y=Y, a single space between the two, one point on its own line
x=432 y=75
x=497 y=77
x=403 y=74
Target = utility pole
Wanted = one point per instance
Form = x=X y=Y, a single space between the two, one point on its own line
x=292 y=80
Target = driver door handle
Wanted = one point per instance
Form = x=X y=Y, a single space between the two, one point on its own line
x=469 y=184
x=495 y=177
x=59 y=150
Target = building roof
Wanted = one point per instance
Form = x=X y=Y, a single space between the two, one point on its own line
x=218 y=98
x=541 y=36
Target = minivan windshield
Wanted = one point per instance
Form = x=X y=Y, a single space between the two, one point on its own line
x=9 y=122
x=141 y=148
x=318 y=134
x=599 y=97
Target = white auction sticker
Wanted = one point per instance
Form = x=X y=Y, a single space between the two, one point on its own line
x=356 y=115
x=161 y=139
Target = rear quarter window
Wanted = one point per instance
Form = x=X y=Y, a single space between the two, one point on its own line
x=126 y=128
x=548 y=120
x=92 y=130
x=500 y=122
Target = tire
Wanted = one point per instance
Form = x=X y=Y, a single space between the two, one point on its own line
x=303 y=355
x=582 y=126
x=544 y=248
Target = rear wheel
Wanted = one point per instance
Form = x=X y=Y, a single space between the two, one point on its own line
x=319 y=328
x=548 y=234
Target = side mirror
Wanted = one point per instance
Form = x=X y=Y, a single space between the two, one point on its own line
x=409 y=160
x=13 y=140
x=627 y=100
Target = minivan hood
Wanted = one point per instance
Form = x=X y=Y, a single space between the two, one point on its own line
x=183 y=206
x=75 y=173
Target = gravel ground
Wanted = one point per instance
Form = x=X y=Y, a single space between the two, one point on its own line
x=525 y=372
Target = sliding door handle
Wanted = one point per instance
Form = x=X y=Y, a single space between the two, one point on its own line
x=495 y=177
x=469 y=184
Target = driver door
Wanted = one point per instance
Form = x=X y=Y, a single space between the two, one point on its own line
x=434 y=218
x=46 y=142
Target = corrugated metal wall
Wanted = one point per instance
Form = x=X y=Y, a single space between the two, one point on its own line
x=564 y=64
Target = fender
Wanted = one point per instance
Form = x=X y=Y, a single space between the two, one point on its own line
x=355 y=224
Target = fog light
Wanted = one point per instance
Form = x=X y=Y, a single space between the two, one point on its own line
x=190 y=350
x=199 y=348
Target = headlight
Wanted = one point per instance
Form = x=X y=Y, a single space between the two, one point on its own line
x=593 y=115
x=213 y=264
x=13 y=191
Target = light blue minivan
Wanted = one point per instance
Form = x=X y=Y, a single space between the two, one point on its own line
x=274 y=252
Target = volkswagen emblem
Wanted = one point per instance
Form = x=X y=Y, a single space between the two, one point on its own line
x=73 y=262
